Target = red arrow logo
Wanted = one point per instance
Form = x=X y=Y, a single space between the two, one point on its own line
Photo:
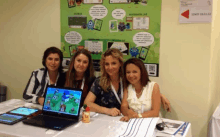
x=185 y=14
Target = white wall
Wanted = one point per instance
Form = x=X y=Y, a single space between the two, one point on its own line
x=214 y=88
x=27 y=28
x=188 y=55
x=184 y=68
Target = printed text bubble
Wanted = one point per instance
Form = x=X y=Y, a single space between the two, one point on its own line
x=98 y=11
x=118 y=14
x=73 y=37
x=143 y=39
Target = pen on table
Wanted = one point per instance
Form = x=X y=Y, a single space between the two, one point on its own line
x=184 y=128
x=164 y=123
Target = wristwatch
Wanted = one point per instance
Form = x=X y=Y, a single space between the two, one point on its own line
x=139 y=115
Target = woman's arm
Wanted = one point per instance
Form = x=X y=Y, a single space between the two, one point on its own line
x=165 y=103
x=128 y=113
x=156 y=101
x=89 y=101
x=124 y=103
x=29 y=94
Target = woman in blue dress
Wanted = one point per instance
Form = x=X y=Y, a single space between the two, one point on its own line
x=106 y=92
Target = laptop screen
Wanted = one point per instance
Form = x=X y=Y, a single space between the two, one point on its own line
x=62 y=100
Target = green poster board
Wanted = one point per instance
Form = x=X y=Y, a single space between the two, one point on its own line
x=132 y=26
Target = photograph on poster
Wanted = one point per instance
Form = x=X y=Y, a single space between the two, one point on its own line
x=122 y=46
x=119 y=1
x=141 y=23
x=92 y=1
x=77 y=21
x=143 y=53
x=94 y=46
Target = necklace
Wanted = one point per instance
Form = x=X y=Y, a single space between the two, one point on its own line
x=139 y=93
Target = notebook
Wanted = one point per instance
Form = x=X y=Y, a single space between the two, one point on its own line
x=61 y=108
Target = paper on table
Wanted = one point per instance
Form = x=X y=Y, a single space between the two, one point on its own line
x=180 y=133
x=135 y=127
x=173 y=126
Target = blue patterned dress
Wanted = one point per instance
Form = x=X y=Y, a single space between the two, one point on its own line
x=103 y=98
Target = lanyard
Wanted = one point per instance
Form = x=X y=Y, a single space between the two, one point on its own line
x=114 y=91
x=83 y=82
x=82 y=85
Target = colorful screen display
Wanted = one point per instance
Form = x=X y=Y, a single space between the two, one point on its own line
x=64 y=101
x=9 y=118
x=24 y=111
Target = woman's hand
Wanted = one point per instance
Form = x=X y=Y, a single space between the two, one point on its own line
x=41 y=100
x=132 y=114
x=113 y=112
x=165 y=103
x=125 y=119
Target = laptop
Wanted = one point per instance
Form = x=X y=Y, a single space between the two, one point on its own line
x=61 y=108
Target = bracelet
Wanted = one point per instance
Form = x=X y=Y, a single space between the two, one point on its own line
x=139 y=115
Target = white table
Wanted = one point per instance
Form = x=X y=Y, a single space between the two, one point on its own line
x=100 y=126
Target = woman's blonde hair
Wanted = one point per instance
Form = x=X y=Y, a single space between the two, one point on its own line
x=105 y=79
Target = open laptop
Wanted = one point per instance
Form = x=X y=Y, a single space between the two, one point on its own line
x=61 y=108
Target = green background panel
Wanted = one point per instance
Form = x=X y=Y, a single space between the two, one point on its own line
x=152 y=9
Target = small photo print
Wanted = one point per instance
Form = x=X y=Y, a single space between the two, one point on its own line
x=143 y=53
x=72 y=49
x=113 y=26
x=71 y=3
x=98 y=24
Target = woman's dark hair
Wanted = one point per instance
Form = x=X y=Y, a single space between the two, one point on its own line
x=53 y=50
x=144 y=75
x=71 y=76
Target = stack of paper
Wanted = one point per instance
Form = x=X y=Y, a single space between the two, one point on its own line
x=172 y=127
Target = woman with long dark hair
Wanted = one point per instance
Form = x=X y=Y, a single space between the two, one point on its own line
x=81 y=72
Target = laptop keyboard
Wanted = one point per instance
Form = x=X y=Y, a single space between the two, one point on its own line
x=49 y=118
x=52 y=122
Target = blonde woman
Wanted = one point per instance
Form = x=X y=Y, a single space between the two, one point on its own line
x=106 y=92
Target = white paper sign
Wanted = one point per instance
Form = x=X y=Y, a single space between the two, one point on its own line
x=195 y=11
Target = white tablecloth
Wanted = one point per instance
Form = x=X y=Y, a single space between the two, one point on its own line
x=100 y=125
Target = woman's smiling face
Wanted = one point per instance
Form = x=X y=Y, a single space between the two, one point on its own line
x=53 y=62
x=133 y=74
x=112 y=65
x=81 y=63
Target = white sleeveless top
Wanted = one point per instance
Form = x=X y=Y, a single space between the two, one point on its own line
x=143 y=103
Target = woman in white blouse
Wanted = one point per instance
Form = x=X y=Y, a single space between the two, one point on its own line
x=141 y=96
